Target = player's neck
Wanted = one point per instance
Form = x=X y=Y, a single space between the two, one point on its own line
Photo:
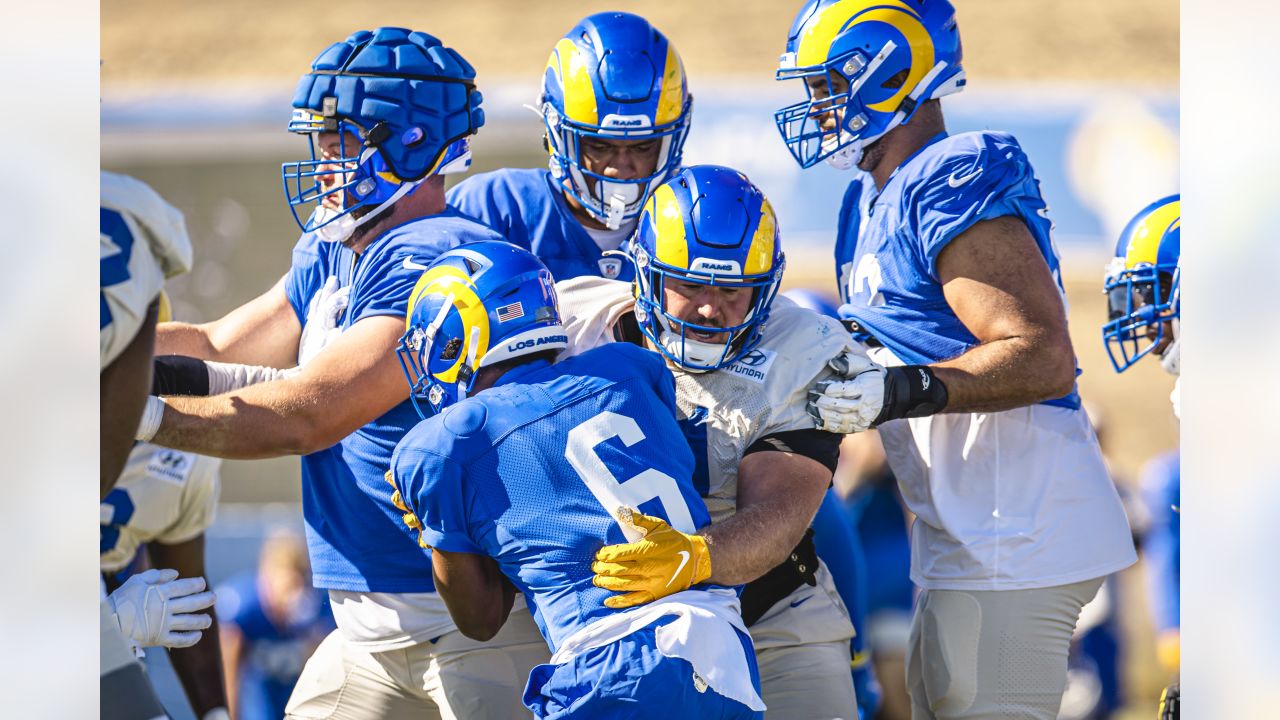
x=580 y=214
x=904 y=141
x=427 y=200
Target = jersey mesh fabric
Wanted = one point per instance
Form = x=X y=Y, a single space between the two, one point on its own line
x=521 y=500
x=529 y=209
x=354 y=535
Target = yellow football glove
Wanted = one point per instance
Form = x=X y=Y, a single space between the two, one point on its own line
x=663 y=562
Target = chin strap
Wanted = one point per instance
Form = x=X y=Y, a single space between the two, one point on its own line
x=340 y=229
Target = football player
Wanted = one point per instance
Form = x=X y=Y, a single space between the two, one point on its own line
x=616 y=109
x=946 y=265
x=165 y=500
x=708 y=262
x=143 y=240
x=1143 y=318
x=590 y=442
x=386 y=113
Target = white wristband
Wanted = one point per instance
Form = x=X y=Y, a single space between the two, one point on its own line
x=225 y=377
x=217 y=714
x=152 y=414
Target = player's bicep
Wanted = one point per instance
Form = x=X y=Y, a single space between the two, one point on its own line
x=783 y=478
x=998 y=283
x=474 y=591
x=122 y=392
x=263 y=331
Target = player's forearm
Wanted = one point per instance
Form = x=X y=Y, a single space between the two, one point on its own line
x=754 y=540
x=199 y=668
x=257 y=422
x=1008 y=373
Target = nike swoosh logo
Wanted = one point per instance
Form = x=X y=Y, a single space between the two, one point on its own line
x=956 y=181
x=409 y=264
x=684 y=559
x=801 y=601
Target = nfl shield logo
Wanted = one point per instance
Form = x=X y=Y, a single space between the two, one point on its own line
x=610 y=267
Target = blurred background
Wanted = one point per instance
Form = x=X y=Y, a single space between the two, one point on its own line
x=195 y=98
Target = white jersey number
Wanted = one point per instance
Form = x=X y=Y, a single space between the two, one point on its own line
x=612 y=495
x=867 y=278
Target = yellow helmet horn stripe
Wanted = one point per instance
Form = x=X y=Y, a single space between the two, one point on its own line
x=760 y=252
x=1144 y=243
x=671 y=100
x=815 y=44
x=444 y=281
x=817 y=39
x=668 y=225
x=579 y=94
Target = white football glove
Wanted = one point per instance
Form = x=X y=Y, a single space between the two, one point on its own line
x=323 y=312
x=849 y=405
x=156 y=608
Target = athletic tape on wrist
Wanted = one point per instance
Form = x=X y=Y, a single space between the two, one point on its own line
x=152 y=414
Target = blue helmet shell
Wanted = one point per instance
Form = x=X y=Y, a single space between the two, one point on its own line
x=707 y=225
x=405 y=106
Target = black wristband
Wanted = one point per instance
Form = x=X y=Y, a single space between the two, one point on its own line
x=911 y=391
x=179 y=375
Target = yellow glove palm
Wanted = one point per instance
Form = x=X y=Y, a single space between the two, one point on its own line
x=663 y=562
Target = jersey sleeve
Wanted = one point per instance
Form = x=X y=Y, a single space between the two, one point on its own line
x=489 y=200
x=431 y=487
x=383 y=285
x=986 y=180
x=142 y=241
x=199 y=500
x=305 y=275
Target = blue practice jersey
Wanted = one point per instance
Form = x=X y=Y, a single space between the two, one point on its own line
x=529 y=209
x=355 y=537
x=887 y=244
x=531 y=472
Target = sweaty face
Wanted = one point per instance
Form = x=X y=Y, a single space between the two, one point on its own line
x=707 y=305
x=621 y=159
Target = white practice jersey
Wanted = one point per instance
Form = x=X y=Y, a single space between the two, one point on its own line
x=761 y=394
x=143 y=241
x=1007 y=500
x=165 y=496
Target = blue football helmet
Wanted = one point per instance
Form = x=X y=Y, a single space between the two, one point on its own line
x=476 y=305
x=613 y=77
x=1143 y=297
x=707 y=225
x=864 y=44
x=404 y=107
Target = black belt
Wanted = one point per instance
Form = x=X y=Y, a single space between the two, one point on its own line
x=801 y=566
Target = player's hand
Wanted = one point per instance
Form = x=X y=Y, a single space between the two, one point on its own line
x=322 y=318
x=663 y=562
x=852 y=404
x=157 y=608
